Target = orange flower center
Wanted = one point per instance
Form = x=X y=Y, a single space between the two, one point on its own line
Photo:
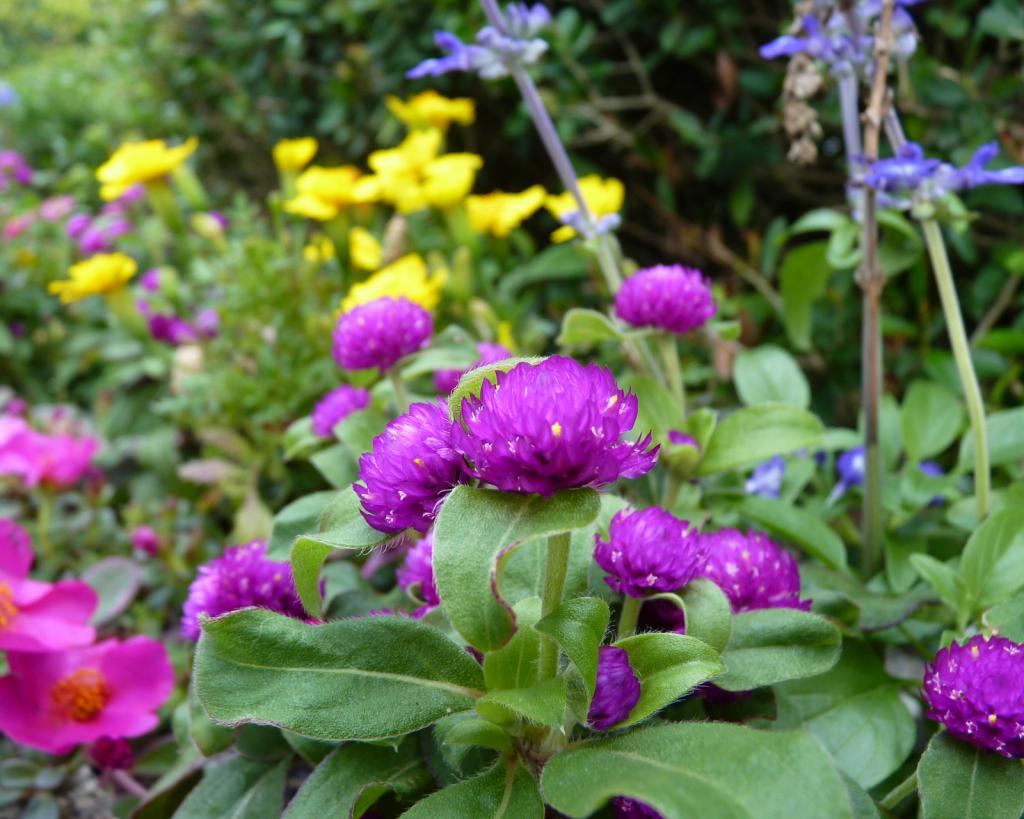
x=82 y=694
x=8 y=611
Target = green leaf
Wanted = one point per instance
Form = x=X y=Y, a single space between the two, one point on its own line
x=1005 y=439
x=942 y=578
x=799 y=526
x=514 y=665
x=239 y=788
x=543 y=703
x=754 y=434
x=473 y=528
x=803 y=277
x=560 y=262
x=768 y=374
x=992 y=566
x=578 y=626
x=336 y=464
x=708 y=613
x=472 y=382
x=668 y=666
x=357 y=774
x=700 y=769
x=297 y=518
x=116 y=582
x=506 y=791
x=583 y=329
x=308 y=558
x=468 y=729
x=769 y=646
x=961 y=781
x=856 y=712
x=365 y=678
x=821 y=219
x=930 y=420
x=658 y=410
x=1008 y=618
x=209 y=737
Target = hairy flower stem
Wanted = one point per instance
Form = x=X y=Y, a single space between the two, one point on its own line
x=554 y=585
x=899 y=793
x=628 y=617
x=398 y=385
x=962 y=356
x=670 y=358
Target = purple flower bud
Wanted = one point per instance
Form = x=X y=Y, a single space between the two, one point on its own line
x=207 y=322
x=633 y=809
x=850 y=467
x=337 y=405
x=110 y=754
x=617 y=689
x=410 y=470
x=416 y=576
x=379 y=333
x=551 y=426
x=766 y=479
x=753 y=571
x=241 y=577
x=150 y=280
x=682 y=439
x=146 y=539
x=649 y=551
x=974 y=690
x=170 y=329
x=669 y=297
x=76 y=225
x=661 y=615
x=447 y=380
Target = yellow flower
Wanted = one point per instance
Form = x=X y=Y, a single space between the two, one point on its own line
x=500 y=213
x=413 y=176
x=323 y=192
x=407 y=277
x=431 y=110
x=292 y=155
x=603 y=197
x=103 y=273
x=319 y=249
x=144 y=162
x=364 y=250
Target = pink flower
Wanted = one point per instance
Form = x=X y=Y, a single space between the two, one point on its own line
x=56 y=208
x=59 y=700
x=56 y=460
x=37 y=616
x=18 y=225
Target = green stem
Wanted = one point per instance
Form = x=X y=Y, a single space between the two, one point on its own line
x=161 y=199
x=672 y=487
x=628 y=617
x=962 y=356
x=398 y=385
x=43 y=525
x=556 y=569
x=900 y=792
x=670 y=358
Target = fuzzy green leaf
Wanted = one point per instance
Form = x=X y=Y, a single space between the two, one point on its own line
x=960 y=781
x=805 y=529
x=506 y=791
x=578 y=626
x=754 y=434
x=238 y=788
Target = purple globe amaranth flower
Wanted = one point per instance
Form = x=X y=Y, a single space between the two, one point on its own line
x=550 y=426
x=150 y=280
x=76 y=225
x=670 y=297
x=166 y=327
x=146 y=539
x=100 y=235
x=626 y=808
x=242 y=577
x=411 y=468
x=337 y=405
x=975 y=690
x=617 y=689
x=753 y=571
x=207 y=322
x=379 y=333
x=649 y=551
x=447 y=380
x=416 y=575
x=766 y=479
x=14 y=167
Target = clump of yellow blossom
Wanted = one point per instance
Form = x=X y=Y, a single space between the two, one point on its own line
x=291 y=155
x=318 y=249
x=432 y=110
x=603 y=197
x=500 y=213
x=406 y=277
x=324 y=192
x=99 y=274
x=364 y=250
x=414 y=176
x=140 y=162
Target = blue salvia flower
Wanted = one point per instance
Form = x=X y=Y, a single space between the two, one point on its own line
x=766 y=479
x=850 y=466
x=494 y=51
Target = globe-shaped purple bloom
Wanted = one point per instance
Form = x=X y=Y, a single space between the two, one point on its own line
x=551 y=426
x=670 y=297
x=379 y=333
x=241 y=577
x=146 y=539
x=626 y=808
x=410 y=470
x=337 y=405
x=416 y=575
x=975 y=690
x=753 y=571
x=649 y=551
x=447 y=380
x=617 y=689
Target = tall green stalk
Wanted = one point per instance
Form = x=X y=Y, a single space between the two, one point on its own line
x=964 y=365
x=555 y=571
